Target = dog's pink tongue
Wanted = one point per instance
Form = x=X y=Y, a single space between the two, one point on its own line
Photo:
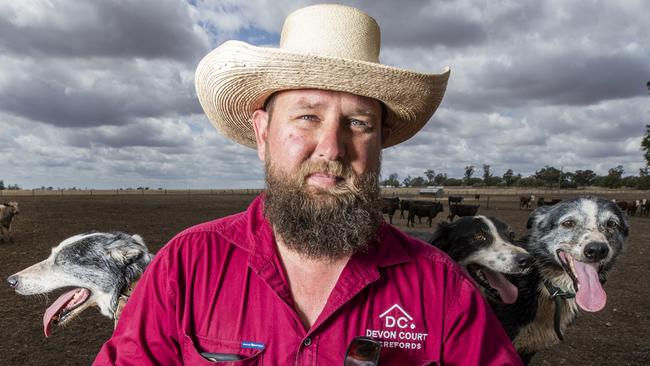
x=507 y=290
x=591 y=296
x=55 y=308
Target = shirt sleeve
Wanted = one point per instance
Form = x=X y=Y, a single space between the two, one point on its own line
x=146 y=333
x=473 y=334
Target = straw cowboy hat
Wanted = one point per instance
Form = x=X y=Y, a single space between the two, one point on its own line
x=330 y=47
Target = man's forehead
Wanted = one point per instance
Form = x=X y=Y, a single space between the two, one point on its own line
x=317 y=98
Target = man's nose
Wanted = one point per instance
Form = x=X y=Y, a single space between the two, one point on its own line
x=331 y=144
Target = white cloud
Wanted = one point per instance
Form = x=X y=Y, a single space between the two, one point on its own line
x=107 y=99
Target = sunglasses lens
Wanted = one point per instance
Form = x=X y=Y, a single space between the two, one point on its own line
x=363 y=351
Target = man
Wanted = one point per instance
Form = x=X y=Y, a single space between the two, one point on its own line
x=311 y=264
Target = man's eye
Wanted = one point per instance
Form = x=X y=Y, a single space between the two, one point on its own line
x=308 y=117
x=358 y=123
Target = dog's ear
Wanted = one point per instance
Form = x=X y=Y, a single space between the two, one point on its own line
x=440 y=237
x=537 y=216
x=126 y=255
x=138 y=239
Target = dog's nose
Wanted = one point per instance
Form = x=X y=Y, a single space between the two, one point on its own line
x=13 y=281
x=596 y=251
x=524 y=260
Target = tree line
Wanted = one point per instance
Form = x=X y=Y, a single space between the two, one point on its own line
x=548 y=176
x=10 y=187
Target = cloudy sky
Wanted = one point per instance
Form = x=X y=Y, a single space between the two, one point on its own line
x=100 y=94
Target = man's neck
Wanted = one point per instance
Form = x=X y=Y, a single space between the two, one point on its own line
x=310 y=280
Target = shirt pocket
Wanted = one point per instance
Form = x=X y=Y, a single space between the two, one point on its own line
x=193 y=346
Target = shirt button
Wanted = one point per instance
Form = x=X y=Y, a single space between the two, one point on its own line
x=307 y=342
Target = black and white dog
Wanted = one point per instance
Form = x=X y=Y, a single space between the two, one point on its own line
x=483 y=246
x=574 y=243
x=99 y=267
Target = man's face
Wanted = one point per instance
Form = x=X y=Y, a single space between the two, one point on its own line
x=320 y=126
x=322 y=155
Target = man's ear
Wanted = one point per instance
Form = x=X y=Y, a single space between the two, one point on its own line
x=260 y=125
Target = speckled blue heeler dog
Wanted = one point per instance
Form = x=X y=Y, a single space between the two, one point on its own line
x=574 y=244
x=101 y=269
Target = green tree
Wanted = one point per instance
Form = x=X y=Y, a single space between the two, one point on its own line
x=453 y=182
x=508 y=177
x=2 y=184
x=584 y=177
x=486 y=174
x=407 y=181
x=614 y=177
x=440 y=179
x=493 y=181
x=430 y=174
x=645 y=145
x=392 y=181
x=469 y=171
x=418 y=182
x=644 y=178
x=549 y=175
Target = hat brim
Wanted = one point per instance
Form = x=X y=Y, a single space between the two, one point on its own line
x=235 y=79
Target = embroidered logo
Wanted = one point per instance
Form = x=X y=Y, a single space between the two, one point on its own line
x=399 y=318
x=398 y=330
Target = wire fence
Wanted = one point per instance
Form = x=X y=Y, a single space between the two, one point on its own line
x=125 y=192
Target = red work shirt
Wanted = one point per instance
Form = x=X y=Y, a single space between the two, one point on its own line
x=220 y=287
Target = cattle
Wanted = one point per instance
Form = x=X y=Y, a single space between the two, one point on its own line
x=543 y=202
x=7 y=212
x=428 y=210
x=526 y=201
x=632 y=207
x=645 y=208
x=455 y=199
x=389 y=206
x=462 y=210
x=477 y=197
x=622 y=205
x=404 y=205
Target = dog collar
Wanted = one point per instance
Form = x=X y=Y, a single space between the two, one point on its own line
x=125 y=294
x=557 y=294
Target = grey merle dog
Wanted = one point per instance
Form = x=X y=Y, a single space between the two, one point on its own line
x=574 y=244
x=99 y=267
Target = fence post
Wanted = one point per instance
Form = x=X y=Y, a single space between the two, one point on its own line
x=487 y=205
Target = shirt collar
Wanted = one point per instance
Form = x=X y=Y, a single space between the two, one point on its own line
x=253 y=233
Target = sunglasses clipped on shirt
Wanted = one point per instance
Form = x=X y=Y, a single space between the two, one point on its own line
x=363 y=351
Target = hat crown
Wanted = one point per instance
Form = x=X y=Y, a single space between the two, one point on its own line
x=332 y=30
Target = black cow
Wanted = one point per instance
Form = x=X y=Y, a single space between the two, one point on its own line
x=543 y=202
x=622 y=205
x=462 y=210
x=632 y=207
x=455 y=199
x=404 y=205
x=429 y=210
x=389 y=206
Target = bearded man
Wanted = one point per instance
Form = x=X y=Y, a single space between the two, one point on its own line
x=310 y=274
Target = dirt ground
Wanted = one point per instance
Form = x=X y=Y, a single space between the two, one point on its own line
x=618 y=335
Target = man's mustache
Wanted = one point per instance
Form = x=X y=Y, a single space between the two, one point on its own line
x=335 y=168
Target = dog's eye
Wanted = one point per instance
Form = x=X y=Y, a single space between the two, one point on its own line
x=569 y=224
x=611 y=224
x=479 y=236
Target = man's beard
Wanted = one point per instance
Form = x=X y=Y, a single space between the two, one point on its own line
x=323 y=223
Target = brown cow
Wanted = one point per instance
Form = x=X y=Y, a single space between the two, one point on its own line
x=7 y=212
